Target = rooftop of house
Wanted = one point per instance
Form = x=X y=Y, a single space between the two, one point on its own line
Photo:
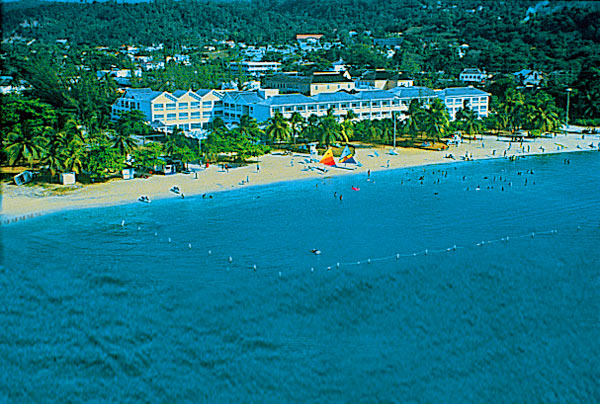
x=471 y=71
x=382 y=74
x=461 y=92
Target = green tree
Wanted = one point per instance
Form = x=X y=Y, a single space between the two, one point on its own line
x=437 y=120
x=278 y=128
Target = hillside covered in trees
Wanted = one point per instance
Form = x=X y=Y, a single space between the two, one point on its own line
x=503 y=36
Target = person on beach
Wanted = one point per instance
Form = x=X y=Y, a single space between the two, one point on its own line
x=257 y=167
x=369 y=173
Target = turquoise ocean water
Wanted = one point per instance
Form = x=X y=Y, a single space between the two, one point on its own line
x=93 y=311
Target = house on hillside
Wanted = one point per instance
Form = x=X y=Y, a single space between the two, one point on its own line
x=250 y=68
x=318 y=82
x=529 y=77
x=383 y=80
x=472 y=76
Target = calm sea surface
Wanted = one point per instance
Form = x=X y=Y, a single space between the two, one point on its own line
x=92 y=311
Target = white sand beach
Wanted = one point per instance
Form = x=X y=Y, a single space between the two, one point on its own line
x=22 y=202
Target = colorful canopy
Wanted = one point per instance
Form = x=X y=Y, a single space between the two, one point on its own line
x=347 y=157
x=328 y=158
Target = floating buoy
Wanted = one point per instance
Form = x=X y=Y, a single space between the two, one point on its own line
x=337 y=265
x=230 y=259
x=280 y=274
x=254 y=267
x=122 y=223
x=532 y=235
x=397 y=256
x=454 y=248
x=155 y=234
x=189 y=245
x=139 y=228
x=169 y=239
x=507 y=238
x=426 y=251
x=369 y=261
x=209 y=252
x=329 y=268
x=312 y=269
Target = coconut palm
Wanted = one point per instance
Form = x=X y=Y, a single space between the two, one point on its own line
x=123 y=142
x=437 y=120
x=24 y=143
x=296 y=123
x=278 y=128
x=54 y=151
x=249 y=128
x=329 y=129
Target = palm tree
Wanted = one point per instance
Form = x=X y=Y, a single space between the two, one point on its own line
x=412 y=124
x=437 y=120
x=53 y=154
x=249 y=127
x=511 y=111
x=297 y=121
x=123 y=142
x=471 y=122
x=329 y=129
x=278 y=128
x=24 y=143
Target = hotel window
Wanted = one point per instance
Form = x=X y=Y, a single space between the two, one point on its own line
x=364 y=104
x=385 y=103
x=171 y=117
x=195 y=115
x=345 y=105
x=170 y=107
x=183 y=115
x=159 y=116
x=194 y=105
x=323 y=107
x=355 y=105
x=483 y=108
x=208 y=104
x=183 y=105
x=288 y=109
x=196 y=126
x=482 y=99
x=206 y=115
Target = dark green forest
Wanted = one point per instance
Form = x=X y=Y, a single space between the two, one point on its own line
x=560 y=36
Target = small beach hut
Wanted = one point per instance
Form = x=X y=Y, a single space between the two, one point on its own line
x=128 y=173
x=67 y=178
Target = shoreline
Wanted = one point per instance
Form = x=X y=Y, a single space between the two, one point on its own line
x=21 y=203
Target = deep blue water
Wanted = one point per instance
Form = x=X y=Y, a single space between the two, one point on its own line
x=92 y=311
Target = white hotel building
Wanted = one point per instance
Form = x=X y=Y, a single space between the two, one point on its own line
x=193 y=111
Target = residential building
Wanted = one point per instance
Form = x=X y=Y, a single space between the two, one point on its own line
x=318 y=82
x=251 y=68
x=383 y=80
x=529 y=77
x=472 y=76
x=191 y=111
x=457 y=98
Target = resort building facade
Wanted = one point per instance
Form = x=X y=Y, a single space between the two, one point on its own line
x=191 y=111
x=383 y=80
x=472 y=76
x=465 y=97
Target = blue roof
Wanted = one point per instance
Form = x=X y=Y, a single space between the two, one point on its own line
x=412 y=92
x=337 y=96
x=142 y=94
x=287 y=99
x=461 y=92
x=375 y=95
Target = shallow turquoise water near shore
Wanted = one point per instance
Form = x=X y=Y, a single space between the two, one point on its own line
x=92 y=311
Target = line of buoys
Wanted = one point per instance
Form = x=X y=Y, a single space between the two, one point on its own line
x=443 y=250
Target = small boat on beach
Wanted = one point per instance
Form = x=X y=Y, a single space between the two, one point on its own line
x=144 y=199
x=175 y=189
